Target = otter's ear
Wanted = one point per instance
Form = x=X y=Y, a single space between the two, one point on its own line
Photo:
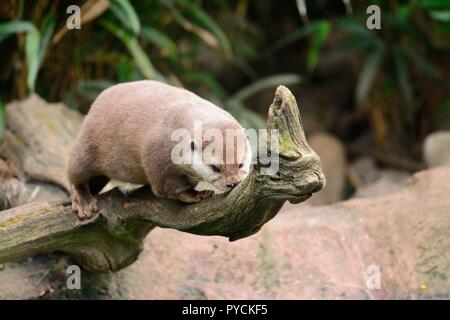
x=193 y=146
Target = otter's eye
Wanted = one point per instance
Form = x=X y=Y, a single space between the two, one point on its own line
x=215 y=168
x=241 y=165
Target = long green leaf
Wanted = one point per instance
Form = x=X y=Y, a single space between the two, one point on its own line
x=434 y=4
x=204 y=19
x=48 y=27
x=248 y=118
x=141 y=58
x=209 y=80
x=125 y=12
x=443 y=16
x=202 y=33
x=131 y=42
x=341 y=50
x=348 y=6
x=124 y=70
x=295 y=36
x=12 y=27
x=368 y=73
x=320 y=36
x=160 y=39
x=244 y=66
x=271 y=81
x=352 y=26
x=32 y=52
x=35 y=46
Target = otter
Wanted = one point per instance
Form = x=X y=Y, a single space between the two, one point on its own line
x=128 y=135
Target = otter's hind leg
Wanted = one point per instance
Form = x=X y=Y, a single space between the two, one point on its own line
x=178 y=187
x=83 y=202
x=83 y=181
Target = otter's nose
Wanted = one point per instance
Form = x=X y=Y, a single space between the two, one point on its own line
x=232 y=185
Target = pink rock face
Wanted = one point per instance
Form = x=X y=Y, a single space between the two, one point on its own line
x=312 y=253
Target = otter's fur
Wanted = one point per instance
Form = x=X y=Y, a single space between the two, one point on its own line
x=127 y=136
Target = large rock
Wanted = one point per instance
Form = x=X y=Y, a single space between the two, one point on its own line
x=372 y=181
x=54 y=124
x=383 y=186
x=312 y=253
x=304 y=253
x=436 y=149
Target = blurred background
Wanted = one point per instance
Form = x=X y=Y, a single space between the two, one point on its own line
x=375 y=105
x=375 y=95
x=372 y=95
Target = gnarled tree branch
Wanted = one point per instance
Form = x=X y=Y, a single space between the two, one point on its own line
x=37 y=142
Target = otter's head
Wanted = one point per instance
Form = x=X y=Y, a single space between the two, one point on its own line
x=222 y=160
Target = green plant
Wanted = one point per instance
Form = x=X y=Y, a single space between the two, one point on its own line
x=139 y=40
x=199 y=44
x=396 y=59
x=235 y=103
x=36 y=43
x=318 y=30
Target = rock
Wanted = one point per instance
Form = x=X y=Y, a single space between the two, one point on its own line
x=366 y=170
x=27 y=279
x=383 y=186
x=54 y=124
x=372 y=181
x=311 y=253
x=333 y=159
x=436 y=149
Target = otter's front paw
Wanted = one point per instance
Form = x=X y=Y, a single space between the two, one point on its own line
x=205 y=194
x=85 y=209
x=192 y=196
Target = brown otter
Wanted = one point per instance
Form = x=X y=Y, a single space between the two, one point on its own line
x=128 y=135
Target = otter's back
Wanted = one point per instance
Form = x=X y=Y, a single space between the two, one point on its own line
x=124 y=115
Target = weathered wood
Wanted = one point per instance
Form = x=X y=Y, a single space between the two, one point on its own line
x=38 y=137
x=113 y=239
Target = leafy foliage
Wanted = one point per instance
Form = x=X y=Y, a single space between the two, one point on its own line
x=396 y=60
x=223 y=49
x=141 y=40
